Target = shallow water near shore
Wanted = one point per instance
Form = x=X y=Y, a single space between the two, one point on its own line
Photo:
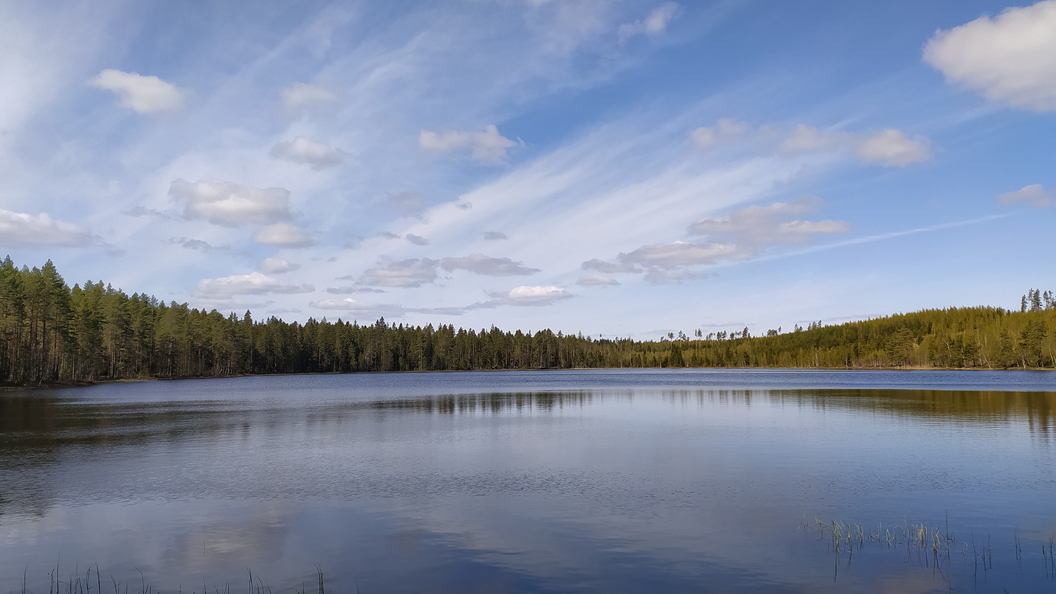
x=549 y=481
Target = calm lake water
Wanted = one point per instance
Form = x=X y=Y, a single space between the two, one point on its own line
x=556 y=481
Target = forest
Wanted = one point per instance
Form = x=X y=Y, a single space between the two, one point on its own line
x=52 y=333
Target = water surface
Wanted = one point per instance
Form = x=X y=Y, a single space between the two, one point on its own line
x=621 y=481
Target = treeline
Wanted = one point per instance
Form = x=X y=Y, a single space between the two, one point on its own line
x=50 y=332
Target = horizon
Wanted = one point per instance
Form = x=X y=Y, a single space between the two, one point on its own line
x=599 y=168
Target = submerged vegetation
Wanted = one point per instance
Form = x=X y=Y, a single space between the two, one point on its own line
x=50 y=332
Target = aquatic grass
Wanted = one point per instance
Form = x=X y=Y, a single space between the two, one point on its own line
x=935 y=547
x=91 y=582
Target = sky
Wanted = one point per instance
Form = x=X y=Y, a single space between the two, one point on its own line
x=605 y=167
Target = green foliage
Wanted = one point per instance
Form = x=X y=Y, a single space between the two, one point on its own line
x=50 y=332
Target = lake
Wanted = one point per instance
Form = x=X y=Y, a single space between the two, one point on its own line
x=548 y=481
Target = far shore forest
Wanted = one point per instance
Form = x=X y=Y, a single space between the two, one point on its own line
x=50 y=332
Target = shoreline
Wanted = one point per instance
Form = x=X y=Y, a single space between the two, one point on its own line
x=57 y=384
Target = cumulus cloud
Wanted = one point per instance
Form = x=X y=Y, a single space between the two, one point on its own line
x=493 y=236
x=231 y=205
x=597 y=280
x=300 y=95
x=143 y=94
x=283 y=235
x=889 y=147
x=1033 y=194
x=485 y=146
x=253 y=283
x=416 y=239
x=654 y=24
x=402 y=274
x=303 y=151
x=892 y=148
x=1009 y=59
x=18 y=230
x=277 y=266
x=762 y=225
x=724 y=130
x=526 y=295
x=488 y=266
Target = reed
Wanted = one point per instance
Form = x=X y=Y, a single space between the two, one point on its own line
x=91 y=582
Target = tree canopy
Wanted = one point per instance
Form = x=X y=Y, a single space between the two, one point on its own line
x=50 y=332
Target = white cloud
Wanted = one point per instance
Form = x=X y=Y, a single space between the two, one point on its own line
x=300 y=95
x=486 y=146
x=724 y=130
x=303 y=151
x=597 y=280
x=416 y=239
x=1033 y=194
x=526 y=295
x=654 y=24
x=1009 y=59
x=283 y=235
x=25 y=230
x=277 y=266
x=144 y=94
x=889 y=147
x=404 y=274
x=253 y=283
x=231 y=205
x=347 y=304
x=493 y=236
x=487 y=266
x=892 y=148
x=761 y=225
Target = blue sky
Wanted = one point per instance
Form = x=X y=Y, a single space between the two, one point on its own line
x=624 y=168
